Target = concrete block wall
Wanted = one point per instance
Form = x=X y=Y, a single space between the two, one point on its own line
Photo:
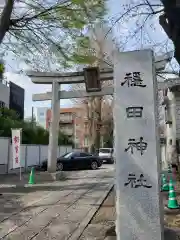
x=31 y=155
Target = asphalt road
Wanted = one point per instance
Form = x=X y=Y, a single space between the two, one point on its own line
x=52 y=210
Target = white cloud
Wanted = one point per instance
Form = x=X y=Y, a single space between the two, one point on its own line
x=30 y=89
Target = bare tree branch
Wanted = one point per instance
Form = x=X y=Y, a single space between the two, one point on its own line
x=5 y=20
x=52 y=25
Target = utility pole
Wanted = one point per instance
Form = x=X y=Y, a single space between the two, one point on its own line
x=32 y=116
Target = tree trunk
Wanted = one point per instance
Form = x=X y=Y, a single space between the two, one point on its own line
x=90 y=118
x=97 y=140
x=5 y=19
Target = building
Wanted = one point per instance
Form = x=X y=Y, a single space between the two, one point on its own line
x=4 y=95
x=16 y=99
x=12 y=97
x=41 y=113
x=171 y=102
x=72 y=123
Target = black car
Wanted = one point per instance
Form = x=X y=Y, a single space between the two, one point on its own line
x=75 y=160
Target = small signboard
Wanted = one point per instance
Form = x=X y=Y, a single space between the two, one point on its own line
x=16 y=147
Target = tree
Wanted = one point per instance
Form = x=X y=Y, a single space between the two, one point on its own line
x=9 y=113
x=143 y=24
x=107 y=129
x=95 y=49
x=30 y=134
x=169 y=20
x=28 y=26
x=137 y=26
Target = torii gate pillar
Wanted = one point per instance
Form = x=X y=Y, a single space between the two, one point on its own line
x=54 y=128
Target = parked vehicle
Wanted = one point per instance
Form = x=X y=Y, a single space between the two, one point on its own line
x=106 y=155
x=75 y=160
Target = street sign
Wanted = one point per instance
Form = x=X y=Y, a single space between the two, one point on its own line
x=137 y=147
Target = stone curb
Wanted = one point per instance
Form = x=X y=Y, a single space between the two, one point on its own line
x=78 y=232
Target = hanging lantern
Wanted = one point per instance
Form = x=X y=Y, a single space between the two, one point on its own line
x=92 y=79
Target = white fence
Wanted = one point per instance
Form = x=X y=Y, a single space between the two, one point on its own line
x=31 y=155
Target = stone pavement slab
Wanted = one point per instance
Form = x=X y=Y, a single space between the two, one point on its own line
x=51 y=211
x=19 y=218
x=71 y=219
x=102 y=221
x=95 y=231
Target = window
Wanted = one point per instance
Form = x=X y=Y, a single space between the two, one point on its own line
x=76 y=154
x=71 y=154
x=85 y=154
x=105 y=150
x=68 y=155
x=65 y=117
x=168 y=119
x=41 y=114
x=177 y=146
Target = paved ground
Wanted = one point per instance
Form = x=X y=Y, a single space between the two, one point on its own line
x=55 y=210
x=102 y=226
x=103 y=221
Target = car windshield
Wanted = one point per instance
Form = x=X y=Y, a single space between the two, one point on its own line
x=105 y=150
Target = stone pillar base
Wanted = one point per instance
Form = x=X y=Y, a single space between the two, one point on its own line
x=58 y=175
x=49 y=177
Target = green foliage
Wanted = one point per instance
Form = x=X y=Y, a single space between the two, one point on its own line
x=8 y=113
x=2 y=68
x=31 y=134
x=55 y=27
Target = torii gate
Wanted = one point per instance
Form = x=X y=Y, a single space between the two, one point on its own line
x=56 y=79
x=145 y=172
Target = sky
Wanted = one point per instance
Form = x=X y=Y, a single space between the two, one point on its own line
x=152 y=33
x=30 y=89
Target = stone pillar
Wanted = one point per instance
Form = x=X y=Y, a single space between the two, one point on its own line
x=137 y=147
x=54 y=128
